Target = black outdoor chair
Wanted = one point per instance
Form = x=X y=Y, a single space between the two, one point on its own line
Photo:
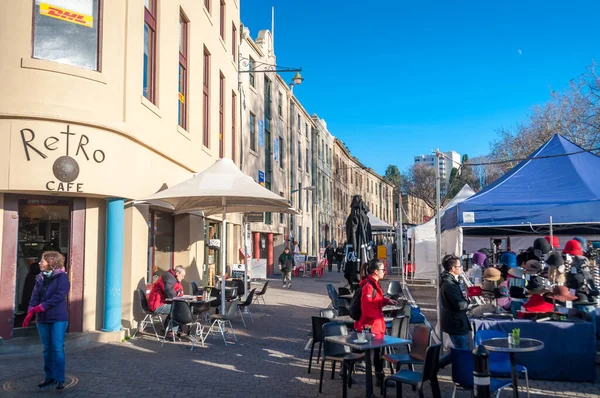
x=195 y=289
x=420 y=341
x=260 y=295
x=245 y=307
x=344 y=291
x=221 y=321
x=149 y=316
x=317 y=337
x=418 y=379
x=181 y=315
x=342 y=307
x=338 y=353
x=216 y=293
x=394 y=290
x=201 y=311
x=239 y=284
x=328 y=313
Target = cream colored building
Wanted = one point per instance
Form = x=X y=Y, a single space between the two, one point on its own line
x=104 y=102
x=322 y=155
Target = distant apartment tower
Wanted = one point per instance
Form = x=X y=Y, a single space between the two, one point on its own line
x=451 y=159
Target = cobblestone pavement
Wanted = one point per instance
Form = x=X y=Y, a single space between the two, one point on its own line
x=270 y=360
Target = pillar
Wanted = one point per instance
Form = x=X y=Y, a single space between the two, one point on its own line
x=270 y=254
x=256 y=240
x=113 y=277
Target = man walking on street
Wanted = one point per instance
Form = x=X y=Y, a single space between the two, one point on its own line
x=286 y=265
x=339 y=255
x=330 y=254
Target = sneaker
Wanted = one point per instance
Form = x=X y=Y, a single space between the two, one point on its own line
x=46 y=383
x=290 y=286
x=60 y=385
x=284 y=285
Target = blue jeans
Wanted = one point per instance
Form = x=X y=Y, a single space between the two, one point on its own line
x=53 y=339
x=459 y=341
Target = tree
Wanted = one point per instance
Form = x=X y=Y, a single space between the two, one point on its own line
x=419 y=181
x=573 y=113
x=484 y=174
x=393 y=176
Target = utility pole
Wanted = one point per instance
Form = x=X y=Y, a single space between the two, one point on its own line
x=438 y=225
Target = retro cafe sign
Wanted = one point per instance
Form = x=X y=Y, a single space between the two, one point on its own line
x=65 y=168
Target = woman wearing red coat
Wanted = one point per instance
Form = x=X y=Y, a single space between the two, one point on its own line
x=372 y=300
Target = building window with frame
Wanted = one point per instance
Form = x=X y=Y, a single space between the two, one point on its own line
x=281 y=152
x=222 y=20
x=307 y=161
x=182 y=114
x=234 y=42
x=299 y=124
x=233 y=120
x=281 y=216
x=70 y=36
x=299 y=155
x=251 y=71
x=149 y=76
x=161 y=238
x=280 y=104
x=252 y=132
x=206 y=100
x=221 y=115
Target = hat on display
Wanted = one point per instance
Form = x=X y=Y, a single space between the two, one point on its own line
x=533 y=267
x=516 y=272
x=535 y=285
x=573 y=247
x=554 y=260
x=542 y=245
x=478 y=258
x=509 y=259
x=485 y=251
x=516 y=292
x=584 y=299
x=492 y=274
x=575 y=281
x=501 y=291
x=561 y=293
x=537 y=304
x=555 y=243
x=582 y=241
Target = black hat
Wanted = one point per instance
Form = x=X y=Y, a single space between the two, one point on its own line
x=584 y=299
x=575 y=281
x=536 y=285
x=516 y=292
x=485 y=251
x=542 y=245
x=554 y=260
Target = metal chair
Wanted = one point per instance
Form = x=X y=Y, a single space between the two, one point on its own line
x=333 y=296
x=245 y=307
x=462 y=373
x=181 y=315
x=394 y=290
x=418 y=379
x=328 y=313
x=338 y=353
x=342 y=307
x=260 y=295
x=420 y=342
x=499 y=363
x=149 y=318
x=223 y=320
x=399 y=328
x=317 y=337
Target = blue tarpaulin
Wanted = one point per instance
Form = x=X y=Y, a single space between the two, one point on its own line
x=545 y=184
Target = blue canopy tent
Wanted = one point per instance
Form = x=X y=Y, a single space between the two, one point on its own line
x=559 y=180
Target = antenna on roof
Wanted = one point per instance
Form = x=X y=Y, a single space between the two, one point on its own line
x=273 y=30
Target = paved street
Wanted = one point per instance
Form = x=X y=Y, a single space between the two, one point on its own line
x=270 y=360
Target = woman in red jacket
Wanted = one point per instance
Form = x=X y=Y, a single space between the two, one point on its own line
x=372 y=300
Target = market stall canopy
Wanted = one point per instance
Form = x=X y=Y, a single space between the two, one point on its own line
x=559 y=179
x=377 y=224
x=205 y=192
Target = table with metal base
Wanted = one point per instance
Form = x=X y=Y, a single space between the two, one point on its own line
x=502 y=345
x=367 y=347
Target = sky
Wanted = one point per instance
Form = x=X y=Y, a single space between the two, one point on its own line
x=399 y=78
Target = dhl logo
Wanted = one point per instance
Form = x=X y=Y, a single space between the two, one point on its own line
x=66 y=15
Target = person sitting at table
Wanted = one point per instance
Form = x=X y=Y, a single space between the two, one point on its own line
x=168 y=286
x=372 y=302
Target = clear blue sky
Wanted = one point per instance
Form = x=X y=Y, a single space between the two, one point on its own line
x=398 y=78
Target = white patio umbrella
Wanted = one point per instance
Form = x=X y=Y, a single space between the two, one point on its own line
x=222 y=188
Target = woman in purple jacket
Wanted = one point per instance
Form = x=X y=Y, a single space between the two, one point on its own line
x=49 y=302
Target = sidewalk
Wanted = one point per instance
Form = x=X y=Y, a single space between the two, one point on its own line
x=270 y=360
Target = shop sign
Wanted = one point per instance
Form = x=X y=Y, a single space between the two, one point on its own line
x=66 y=15
x=65 y=168
x=261 y=177
x=255 y=217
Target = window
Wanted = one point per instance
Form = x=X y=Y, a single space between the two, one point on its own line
x=300 y=196
x=252 y=132
x=281 y=219
x=307 y=161
x=149 y=78
x=207 y=5
x=68 y=36
x=233 y=41
x=161 y=233
x=182 y=113
x=306 y=129
x=221 y=115
x=280 y=104
x=299 y=155
x=281 y=151
x=222 y=20
x=299 y=124
x=233 y=112
x=206 y=104
x=251 y=71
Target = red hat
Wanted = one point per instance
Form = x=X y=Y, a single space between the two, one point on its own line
x=537 y=304
x=555 y=242
x=573 y=247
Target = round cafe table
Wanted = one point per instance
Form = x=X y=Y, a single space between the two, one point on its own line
x=502 y=345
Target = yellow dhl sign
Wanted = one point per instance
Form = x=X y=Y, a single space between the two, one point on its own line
x=181 y=98
x=66 y=15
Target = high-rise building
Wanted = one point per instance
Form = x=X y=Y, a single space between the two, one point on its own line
x=450 y=160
